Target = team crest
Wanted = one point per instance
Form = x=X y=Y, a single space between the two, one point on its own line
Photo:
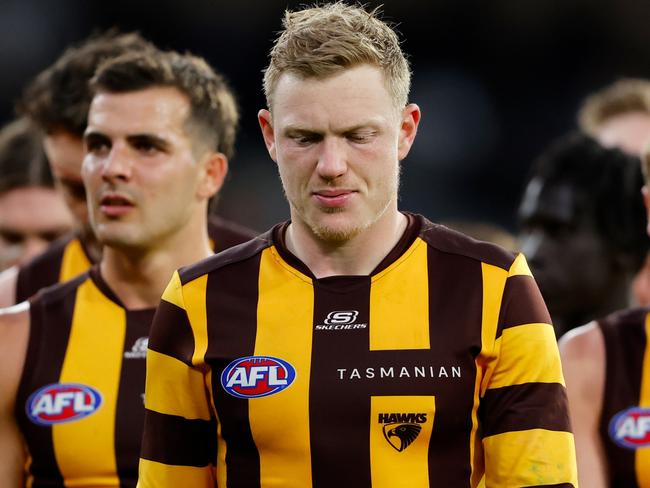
x=401 y=429
x=257 y=376
x=59 y=403
x=400 y=436
x=630 y=428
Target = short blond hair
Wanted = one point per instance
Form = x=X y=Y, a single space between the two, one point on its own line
x=624 y=96
x=321 y=41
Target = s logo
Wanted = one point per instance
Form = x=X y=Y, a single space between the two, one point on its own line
x=341 y=317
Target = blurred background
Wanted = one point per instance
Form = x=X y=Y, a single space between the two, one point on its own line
x=496 y=80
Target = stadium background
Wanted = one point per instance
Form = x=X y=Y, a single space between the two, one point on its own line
x=496 y=81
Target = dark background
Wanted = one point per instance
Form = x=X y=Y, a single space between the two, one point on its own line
x=497 y=80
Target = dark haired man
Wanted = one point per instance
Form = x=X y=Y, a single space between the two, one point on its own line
x=32 y=212
x=582 y=229
x=607 y=366
x=355 y=345
x=57 y=101
x=72 y=358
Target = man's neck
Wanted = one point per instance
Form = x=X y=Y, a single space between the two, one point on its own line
x=91 y=245
x=359 y=255
x=139 y=276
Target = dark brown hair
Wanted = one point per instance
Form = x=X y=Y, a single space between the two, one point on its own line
x=213 y=109
x=59 y=97
x=22 y=160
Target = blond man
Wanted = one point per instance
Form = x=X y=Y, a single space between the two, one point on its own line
x=355 y=345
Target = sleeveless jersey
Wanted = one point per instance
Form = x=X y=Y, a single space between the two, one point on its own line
x=63 y=260
x=67 y=258
x=80 y=399
x=625 y=420
x=438 y=368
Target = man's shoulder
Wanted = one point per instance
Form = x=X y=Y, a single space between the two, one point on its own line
x=53 y=253
x=44 y=269
x=450 y=241
x=57 y=292
x=624 y=326
x=230 y=257
x=626 y=317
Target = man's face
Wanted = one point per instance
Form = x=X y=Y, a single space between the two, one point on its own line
x=30 y=219
x=140 y=173
x=65 y=153
x=628 y=132
x=337 y=143
x=568 y=256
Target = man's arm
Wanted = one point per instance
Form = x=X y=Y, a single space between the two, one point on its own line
x=14 y=334
x=583 y=360
x=179 y=441
x=527 y=438
x=8 y=280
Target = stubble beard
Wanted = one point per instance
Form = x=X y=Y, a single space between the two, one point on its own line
x=341 y=234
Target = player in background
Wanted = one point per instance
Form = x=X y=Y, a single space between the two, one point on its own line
x=32 y=212
x=607 y=368
x=619 y=116
x=582 y=232
x=72 y=357
x=57 y=101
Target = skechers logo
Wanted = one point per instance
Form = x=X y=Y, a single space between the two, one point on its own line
x=58 y=403
x=341 y=317
x=257 y=376
x=401 y=429
x=630 y=428
x=138 y=350
x=341 y=320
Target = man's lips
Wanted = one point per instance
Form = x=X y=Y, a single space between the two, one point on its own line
x=333 y=197
x=115 y=204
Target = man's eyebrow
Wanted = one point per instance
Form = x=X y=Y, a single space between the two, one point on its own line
x=295 y=130
x=95 y=135
x=152 y=139
x=366 y=125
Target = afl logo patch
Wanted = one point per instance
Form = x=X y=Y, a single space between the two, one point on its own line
x=630 y=428
x=62 y=402
x=257 y=376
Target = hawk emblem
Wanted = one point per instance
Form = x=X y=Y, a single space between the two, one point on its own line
x=400 y=436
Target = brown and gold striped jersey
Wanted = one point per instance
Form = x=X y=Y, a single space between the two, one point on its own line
x=437 y=369
x=80 y=399
x=63 y=260
x=68 y=257
x=625 y=419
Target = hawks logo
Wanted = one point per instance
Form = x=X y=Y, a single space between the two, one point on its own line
x=401 y=429
x=62 y=402
x=257 y=376
x=631 y=428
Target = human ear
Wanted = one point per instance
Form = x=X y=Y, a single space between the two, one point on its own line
x=214 y=174
x=410 y=119
x=266 y=124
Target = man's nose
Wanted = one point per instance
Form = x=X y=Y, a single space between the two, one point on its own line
x=332 y=159
x=118 y=164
